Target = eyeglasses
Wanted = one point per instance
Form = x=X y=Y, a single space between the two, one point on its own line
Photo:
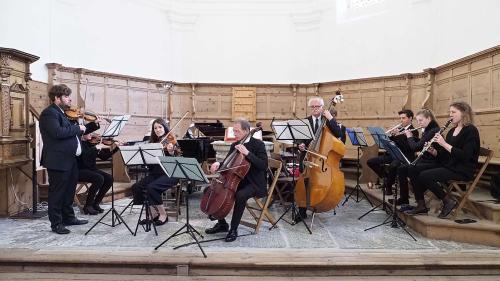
x=315 y=106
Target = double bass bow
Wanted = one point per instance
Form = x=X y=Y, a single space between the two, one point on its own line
x=321 y=185
x=218 y=198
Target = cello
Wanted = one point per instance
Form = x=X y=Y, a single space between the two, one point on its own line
x=321 y=185
x=218 y=198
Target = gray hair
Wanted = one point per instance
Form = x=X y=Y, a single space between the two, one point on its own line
x=245 y=125
x=319 y=99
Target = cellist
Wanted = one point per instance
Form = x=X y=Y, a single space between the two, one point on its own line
x=253 y=185
x=315 y=121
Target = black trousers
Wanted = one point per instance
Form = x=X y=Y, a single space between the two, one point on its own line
x=402 y=172
x=241 y=197
x=431 y=176
x=377 y=165
x=156 y=187
x=62 y=186
x=100 y=184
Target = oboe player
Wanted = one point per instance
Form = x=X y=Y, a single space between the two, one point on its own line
x=458 y=155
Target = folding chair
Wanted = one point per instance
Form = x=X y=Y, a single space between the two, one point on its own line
x=260 y=211
x=461 y=196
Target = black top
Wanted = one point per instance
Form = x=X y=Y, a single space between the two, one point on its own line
x=417 y=145
x=257 y=157
x=401 y=142
x=464 y=153
x=87 y=159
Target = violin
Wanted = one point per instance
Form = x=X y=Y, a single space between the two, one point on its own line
x=97 y=139
x=75 y=114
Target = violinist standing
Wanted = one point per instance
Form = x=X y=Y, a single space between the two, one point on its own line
x=61 y=146
x=315 y=121
x=156 y=182
x=87 y=172
x=253 y=184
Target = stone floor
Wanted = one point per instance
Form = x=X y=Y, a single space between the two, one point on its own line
x=342 y=232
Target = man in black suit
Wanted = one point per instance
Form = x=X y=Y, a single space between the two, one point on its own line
x=315 y=121
x=254 y=183
x=61 y=145
x=398 y=136
x=342 y=137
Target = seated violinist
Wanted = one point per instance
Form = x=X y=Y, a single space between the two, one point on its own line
x=87 y=172
x=253 y=184
x=156 y=182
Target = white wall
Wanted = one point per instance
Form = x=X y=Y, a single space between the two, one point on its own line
x=245 y=41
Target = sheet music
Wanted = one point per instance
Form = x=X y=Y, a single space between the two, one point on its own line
x=299 y=130
x=150 y=151
x=190 y=166
x=116 y=126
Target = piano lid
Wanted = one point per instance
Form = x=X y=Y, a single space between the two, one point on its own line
x=215 y=129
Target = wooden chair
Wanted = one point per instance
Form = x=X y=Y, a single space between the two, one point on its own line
x=81 y=194
x=461 y=196
x=172 y=203
x=260 y=211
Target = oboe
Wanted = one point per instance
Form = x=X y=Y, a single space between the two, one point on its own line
x=429 y=143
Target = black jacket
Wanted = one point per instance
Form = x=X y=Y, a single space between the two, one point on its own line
x=417 y=145
x=257 y=157
x=464 y=153
x=332 y=125
x=402 y=143
x=87 y=159
x=60 y=139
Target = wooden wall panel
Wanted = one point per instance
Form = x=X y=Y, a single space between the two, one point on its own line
x=368 y=102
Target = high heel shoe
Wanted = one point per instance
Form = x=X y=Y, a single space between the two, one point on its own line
x=88 y=210
x=158 y=222
x=146 y=221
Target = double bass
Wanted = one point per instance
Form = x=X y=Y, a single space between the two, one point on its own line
x=321 y=185
x=218 y=198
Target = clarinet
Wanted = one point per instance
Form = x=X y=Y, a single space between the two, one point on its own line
x=429 y=143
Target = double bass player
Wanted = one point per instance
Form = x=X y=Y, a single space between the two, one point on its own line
x=253 y=184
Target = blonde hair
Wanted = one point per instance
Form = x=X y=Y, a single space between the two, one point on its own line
x=467 y=113
x=427 y=113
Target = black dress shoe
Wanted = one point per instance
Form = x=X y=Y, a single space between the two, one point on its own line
x=417 y=211
x=75 y=221
x=89 y=210
x=98 y=208
x=399 y=202
x=447 y=208
x=60 y=229
x=231 y=235
x=218 y=227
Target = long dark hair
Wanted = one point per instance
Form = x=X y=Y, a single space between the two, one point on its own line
x=154 y=137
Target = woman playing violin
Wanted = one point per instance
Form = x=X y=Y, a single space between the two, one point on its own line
x=254 y=183
x=156 y=182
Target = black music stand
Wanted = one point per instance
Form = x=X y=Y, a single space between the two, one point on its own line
x=113 y=130
x=396 y=222
x=292 y=130
x=357 y=139
x=378 y=135
x=141 y=155
x=188 y=169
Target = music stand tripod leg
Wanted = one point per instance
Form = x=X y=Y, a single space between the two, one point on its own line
x=112 y=211
x=292 y=207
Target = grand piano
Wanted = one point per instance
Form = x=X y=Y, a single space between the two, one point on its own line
x=196 y=142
